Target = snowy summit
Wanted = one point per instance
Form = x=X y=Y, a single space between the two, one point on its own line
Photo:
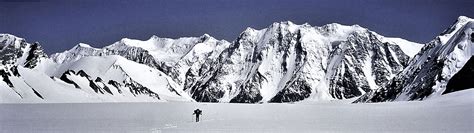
x=284 y=62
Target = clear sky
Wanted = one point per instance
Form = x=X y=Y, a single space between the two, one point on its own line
x=60 y=24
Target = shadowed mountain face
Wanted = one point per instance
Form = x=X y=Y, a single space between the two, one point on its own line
x=462 y=80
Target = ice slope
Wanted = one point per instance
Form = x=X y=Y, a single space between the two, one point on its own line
x=447 y=113
x=429 y=72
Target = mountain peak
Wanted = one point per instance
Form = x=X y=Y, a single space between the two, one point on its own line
x=461 y=21
x=9 y=39
x=205 y=37
x=5 y=35
x=84 y=45
x=249 y=29
x=336 y=26
x=464 y=18
x=154 y=37
x=458 y=24
x=286 y=23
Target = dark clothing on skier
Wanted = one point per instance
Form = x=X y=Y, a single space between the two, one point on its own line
x=197 y=112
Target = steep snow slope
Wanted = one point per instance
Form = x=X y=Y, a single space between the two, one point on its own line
x=115 y=79
x=23 y=85
x=121 y=70
x=428 y=73
x=409 y=48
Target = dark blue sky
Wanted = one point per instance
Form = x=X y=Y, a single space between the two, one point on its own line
x=59 y=25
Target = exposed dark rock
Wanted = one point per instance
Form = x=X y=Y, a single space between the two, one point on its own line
x=250 y=91
x=136 y=89
x=95 y=87
x=67 y=80
x=298 y=90
x=116 y=85
x=14 y=70
x=204 y=93
x=462 y=80
x=34 y=54
x=472 y=37
x=37 y=93
x=5 y=75
x=107 y=90
x=82 y=74
x=98 y=79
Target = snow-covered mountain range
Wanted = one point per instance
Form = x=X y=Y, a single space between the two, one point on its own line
x=431 y=71
x=284 y=62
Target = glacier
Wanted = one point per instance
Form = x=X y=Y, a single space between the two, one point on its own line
x=447 y=113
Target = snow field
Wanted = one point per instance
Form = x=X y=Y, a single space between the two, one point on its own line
x=448 y=113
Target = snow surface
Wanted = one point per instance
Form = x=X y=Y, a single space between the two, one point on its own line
x=409 y=48
x=113 y=67
x=461 y=21
x=118 y=68
x=448 y=113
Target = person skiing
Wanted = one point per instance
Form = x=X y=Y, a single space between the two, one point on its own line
x=197 y=112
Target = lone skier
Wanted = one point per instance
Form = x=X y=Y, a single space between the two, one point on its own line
x=197 y=112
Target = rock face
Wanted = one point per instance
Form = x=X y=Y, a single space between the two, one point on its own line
x=463 y=79
x=17 y=51
x=285 y=62
x=430 y=71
